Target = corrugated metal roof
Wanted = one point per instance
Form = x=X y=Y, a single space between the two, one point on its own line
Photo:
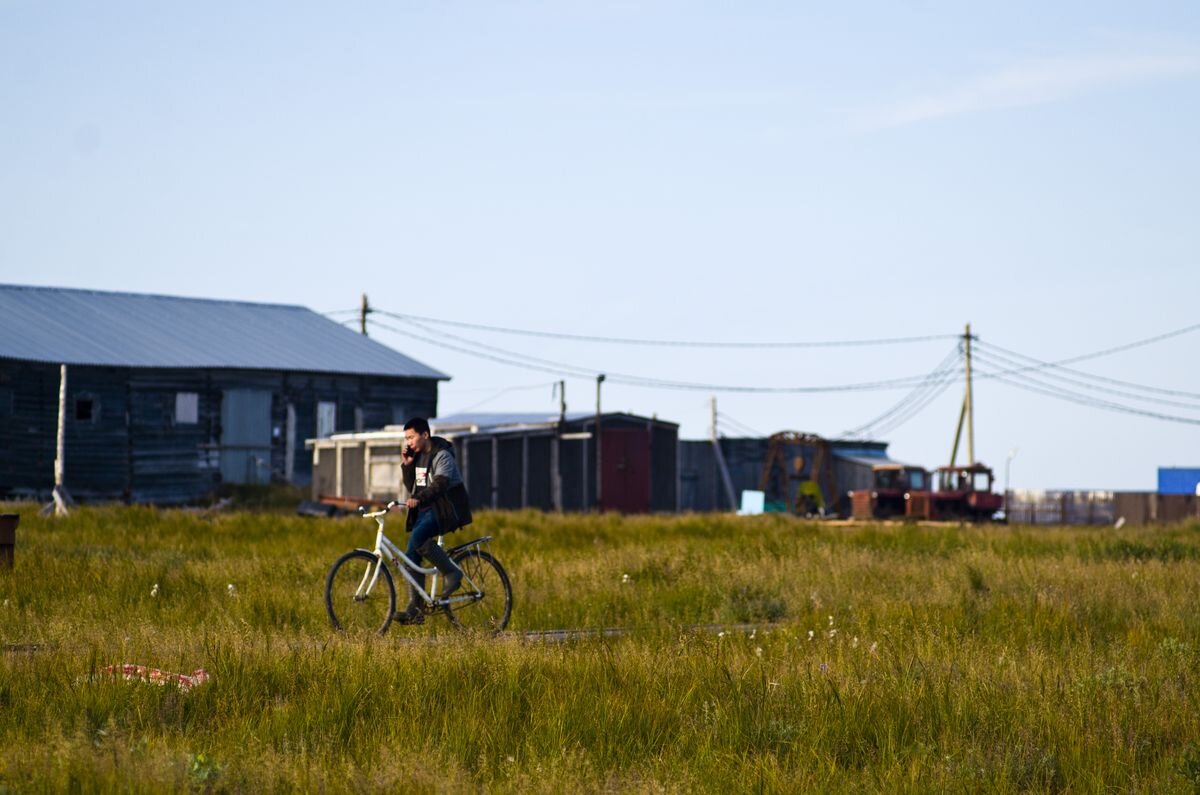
x=86 y=327
x=499 y=421
x=502 y=419
x=873 y=460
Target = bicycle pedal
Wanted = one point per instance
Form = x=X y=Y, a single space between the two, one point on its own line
x=405 y=618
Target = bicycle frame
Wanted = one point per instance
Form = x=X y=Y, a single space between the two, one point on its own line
x=386 y=548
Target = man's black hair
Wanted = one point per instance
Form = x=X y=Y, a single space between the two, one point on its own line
x=418 y=424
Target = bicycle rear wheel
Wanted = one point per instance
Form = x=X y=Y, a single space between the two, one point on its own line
x=490 y=607
x=352 y=607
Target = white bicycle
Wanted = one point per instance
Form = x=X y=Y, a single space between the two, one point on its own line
x=360 y=593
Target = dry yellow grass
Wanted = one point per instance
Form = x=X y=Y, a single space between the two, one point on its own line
x=881 y=658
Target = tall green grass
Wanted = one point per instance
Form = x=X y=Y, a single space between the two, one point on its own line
x=865 y=658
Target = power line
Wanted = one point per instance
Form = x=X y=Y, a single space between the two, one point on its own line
x=882 y=430
x=515 y=359
x=501 y=351
x=738 y=426
x=480 y=354
x=661 y=342
x=1032 y=384
x=1001 y=361
x=1131 y=345
x=1007 y=369
x=1040 y=364
x=501 y=392
x=915 y=397
x=936 y=382
x=514 y=387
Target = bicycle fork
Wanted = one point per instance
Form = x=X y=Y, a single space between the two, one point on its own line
x=370 y=577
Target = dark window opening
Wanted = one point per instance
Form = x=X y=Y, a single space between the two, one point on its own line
x=85 y=409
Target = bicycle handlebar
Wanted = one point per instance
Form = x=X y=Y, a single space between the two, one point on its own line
x=362 y=510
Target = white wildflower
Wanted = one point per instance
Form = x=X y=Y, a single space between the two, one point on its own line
x=758 y=651
x=854 y=643
x=624 y=578
x=874 y=646
x=810 y=634
x=831 y=633
x=831 y=621
x=721 y=634
x=154 y=590
x=229 y=589
x=753 y=632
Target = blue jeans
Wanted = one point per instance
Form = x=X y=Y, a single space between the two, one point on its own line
x=424 y=528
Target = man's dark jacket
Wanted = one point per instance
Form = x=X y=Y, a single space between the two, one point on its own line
x=443 y=490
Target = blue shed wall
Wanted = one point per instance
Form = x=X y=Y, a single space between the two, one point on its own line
x=1178 y=480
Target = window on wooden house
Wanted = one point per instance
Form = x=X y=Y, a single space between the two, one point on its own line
x=87 y=407
x=326 y=418
x=187 y=408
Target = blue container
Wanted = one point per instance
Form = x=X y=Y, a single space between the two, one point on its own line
x=1178 y=480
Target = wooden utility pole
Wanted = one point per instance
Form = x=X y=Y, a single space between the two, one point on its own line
x=596 y=441
x=719 y=455
x=62 y=502
x=362 y=315
x=962 y=414
x=556 y=450
x=970 y=404
x=966 y=413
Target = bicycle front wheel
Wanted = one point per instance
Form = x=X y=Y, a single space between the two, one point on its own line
x=360 y=595
x=490 y=604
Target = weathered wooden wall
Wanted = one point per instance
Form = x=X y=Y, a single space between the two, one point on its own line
x=133 y=449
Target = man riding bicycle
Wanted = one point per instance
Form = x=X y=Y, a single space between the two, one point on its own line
x=437 y=505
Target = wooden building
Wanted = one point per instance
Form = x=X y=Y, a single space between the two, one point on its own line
x=167 y=398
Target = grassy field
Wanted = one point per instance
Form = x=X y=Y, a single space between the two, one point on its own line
x=882 y=659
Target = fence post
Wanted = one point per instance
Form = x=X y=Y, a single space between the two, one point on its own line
x=8 y=538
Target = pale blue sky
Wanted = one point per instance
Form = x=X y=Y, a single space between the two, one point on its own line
x=719 y=171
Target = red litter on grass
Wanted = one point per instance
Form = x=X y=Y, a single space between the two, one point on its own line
x=141 y=673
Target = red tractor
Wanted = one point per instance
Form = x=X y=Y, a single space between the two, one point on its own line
x=962 y=493
x=889 y=494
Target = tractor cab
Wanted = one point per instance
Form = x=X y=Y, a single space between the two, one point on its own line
x=965 y=492
x=963 y=479
x=889 y=492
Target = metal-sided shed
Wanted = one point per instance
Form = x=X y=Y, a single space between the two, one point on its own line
x=794 y=458
x=520 y=461
x=168 y=397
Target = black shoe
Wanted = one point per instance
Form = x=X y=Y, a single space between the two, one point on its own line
x=415 y=612
x=413 y=615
